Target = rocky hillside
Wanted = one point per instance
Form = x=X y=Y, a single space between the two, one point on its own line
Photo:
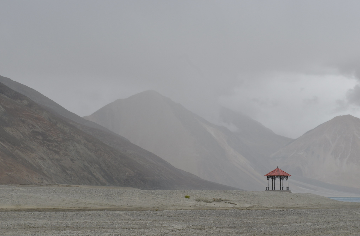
x=182 y=138
x=330 y=153
x=37 y=146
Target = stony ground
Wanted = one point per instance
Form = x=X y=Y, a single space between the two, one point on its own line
x=59 y=210
x=184 y=222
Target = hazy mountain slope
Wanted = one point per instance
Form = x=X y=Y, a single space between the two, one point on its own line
x=182 y=138
x=46 y=102
x=329 y=153
x=37 y=146
x=258 y=142
x=98 y=131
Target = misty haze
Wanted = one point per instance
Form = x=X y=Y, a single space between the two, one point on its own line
x=132 y=114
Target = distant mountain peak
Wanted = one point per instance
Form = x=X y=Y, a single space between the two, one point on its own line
x=347 y=117
x=328 y=153
x=240 y=120
x=148 y=93
x=147 y=96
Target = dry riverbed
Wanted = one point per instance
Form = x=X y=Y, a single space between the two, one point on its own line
x=89 y=210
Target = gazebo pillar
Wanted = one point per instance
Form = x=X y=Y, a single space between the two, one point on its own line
x=274 y=179
x=280 y=183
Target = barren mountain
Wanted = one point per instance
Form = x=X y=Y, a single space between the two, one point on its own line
x=37 y=146
x=252 y=139
x=182 y=138
x=329 y=153
x=48 y=103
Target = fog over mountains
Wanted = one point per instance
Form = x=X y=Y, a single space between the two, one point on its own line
x=290 y=65
x=38 y=145
x=329 y=153
x=259 y=141
x=239 y=152
x=191 y=143
x=179 y=136
x=219 y=90
x=161 y=144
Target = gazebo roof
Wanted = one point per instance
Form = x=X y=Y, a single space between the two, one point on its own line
x=277 y=172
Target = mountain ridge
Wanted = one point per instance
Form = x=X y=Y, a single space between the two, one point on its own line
x=328 y=153
x=54 y=150
x=181 y=137
x=46 y=102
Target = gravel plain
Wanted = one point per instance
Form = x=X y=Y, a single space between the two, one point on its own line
x=90 y=210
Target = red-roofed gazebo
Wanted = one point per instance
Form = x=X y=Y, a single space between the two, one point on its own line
x=277 y=173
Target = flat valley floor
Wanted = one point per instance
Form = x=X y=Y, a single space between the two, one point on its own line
x=88 y=210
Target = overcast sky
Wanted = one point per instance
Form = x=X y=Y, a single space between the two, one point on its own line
x=289 y=64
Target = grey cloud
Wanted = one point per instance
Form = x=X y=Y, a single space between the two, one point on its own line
x=191 y=51
x=311 y=101
x=117 y=38
x=260 y=102
x=341 y=106
x=350 y=67
x=353 y=96
x=264 y=103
